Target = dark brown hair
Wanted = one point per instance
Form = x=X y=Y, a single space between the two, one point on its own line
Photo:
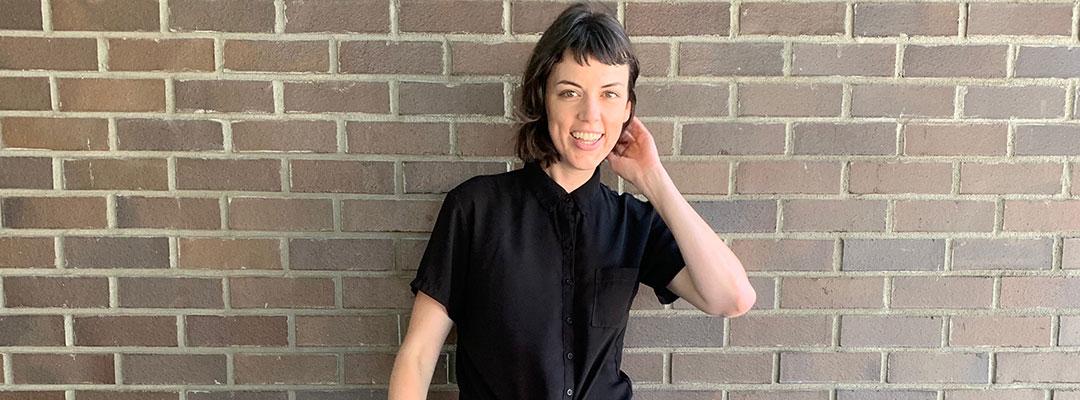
x=586 y=30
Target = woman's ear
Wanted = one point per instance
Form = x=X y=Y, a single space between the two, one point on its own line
x=628 y=113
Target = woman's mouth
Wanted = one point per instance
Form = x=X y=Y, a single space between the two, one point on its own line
x=586 y=140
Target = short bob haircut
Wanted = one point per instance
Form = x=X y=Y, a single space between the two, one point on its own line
x=587 y=30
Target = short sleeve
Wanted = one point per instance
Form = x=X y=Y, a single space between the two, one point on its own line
x=441 y=272
x=662 y=259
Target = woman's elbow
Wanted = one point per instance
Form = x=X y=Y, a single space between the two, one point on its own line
x=739 y=305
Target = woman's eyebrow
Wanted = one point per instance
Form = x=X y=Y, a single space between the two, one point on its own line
x=575 y=84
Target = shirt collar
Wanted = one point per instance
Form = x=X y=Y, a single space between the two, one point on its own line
x=550 y=193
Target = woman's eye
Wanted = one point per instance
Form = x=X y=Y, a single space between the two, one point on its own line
x=612 y=95
x=567 y=93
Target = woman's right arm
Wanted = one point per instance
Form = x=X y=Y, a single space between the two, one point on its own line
x=415 y=362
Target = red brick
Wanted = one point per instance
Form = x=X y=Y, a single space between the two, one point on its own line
x=1014 y=101
x=223 y=331
x=440 y=177
x=721 y=138
x=330 y=176
x=26 y=173
x=125 y=395
x=147 y=292
x=843 y=60
x=791 y=19
x=277 y=56
x=690 y=368
x=900 y=177
x=52 y=369
x=174 y=369
x=1020 y=254
x=790 y=100
x=217 y=15
x=116 y=252
x=40 y=292
x=298 y=136
x=248 y=213
x=677 y=19
x=536 y=16
x=1041 y=215
x=1038 y=367
x=831 y=293
x=125 y=174
x=993 y=330
x=464 y=16
x=1033 y=178
x=238 y=395
x=952 y=292
x=66 y=54
x=224 y=96
x=224 y=174
x=92 y=94
x=955 y=140
x=339 y=16
x=28 y=93
x=781 y=330
x=890 y=331
x=829 y=367
x=484 y=139
x=168 y=135
x=902 y=101
x=337 y=97
x=173 y=55
x=674 y=331
x=911 y=19
x=1042 y=62
x=489 y=58
x=943 y=216
x=21 y=15
x=955 y=61
x=168 y=213
x=126 y=330
x=388 y=215
x=731 y=59
x=26 y=252
x=1042 y=140
x=336 y=331
x=231 y=253
x=784 y=255
x=377 y=293
x=105 y=15
x=952 y=367
x=827 y=215
x=341 y=254
x=31 y=330
x=437 y=98
x=682 y=99
x=787 y=177
x=385 y=57
x=654 y=59
x=843 y=139
x=1019 y=19
x=418 y=138
x=281 y=292
x=55 y=133
x=54 y=212
x=291 y=369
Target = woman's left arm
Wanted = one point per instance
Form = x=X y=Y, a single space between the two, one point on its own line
x=713 y=280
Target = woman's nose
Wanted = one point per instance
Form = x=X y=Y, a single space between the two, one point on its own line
x=589 y=109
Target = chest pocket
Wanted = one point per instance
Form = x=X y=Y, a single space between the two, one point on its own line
x=613 y=291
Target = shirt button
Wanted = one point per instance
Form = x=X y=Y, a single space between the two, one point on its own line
x=569 y=281
x=570 y=356
x=570 y=320
x=569 y=392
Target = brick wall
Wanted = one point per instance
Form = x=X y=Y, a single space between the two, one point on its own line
x=205 y=199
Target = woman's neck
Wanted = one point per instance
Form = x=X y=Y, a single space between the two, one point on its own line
x=568 y=177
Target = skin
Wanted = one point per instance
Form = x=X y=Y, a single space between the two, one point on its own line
x=594 y=97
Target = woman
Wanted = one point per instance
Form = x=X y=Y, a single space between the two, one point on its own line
x=537 y=267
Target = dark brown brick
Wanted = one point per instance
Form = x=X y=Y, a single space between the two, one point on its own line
x=67 y=54
x=682 y=99
x=367 y=330
x=900 y=177
x=223 y=331
x=157 y=331
x=985 y=254
x=643 y=367
x=116 y=252
x=955 y=61
x=1042 y=62
x=1033 y=178
x=940 y=292
x=843 y=139
x=732 y=138
x=465 y=16
x=790 y=100
x=1014 y=101
x=774 y=395
x=92 y=94
x=677 y=19
x=893 y=255
x=26 y=252
x=943 y=216
x=54 y=212
x=21 y=15
x=38 y=291
x=168 y=213
x=695 y=177
x=654 y=59
x=105 y=15
x=339 y=16
x=437 y=98
x=331 y=176
x=977 y=330
x=220 y=15
x=337 y=96
x=25 y=94
x=952 y=367
x=388 y=215
x=126 y=174
x=25 y=173
x=489 y=58
x=840 y=215
x=377 y=293
x=55 y=133
x=787 y=177
x=1032 y=140
x=398 y=138
x=168 y=135
x=32 y=330
x=174 y=369
x=52 y=369
x=299 y=136
x=277 y=56
x=843 y=60
x=902 y=101
x=674 y=331
x=224 y=174
x=731 y=59
x=948 y=140
x=1019 y=19
x=484 y=139
x=213 y=253
x=281 y=292
x=126 y=395
x=224 y=96
x=536 y=16
x=174 y=55
x=911 y=19
x=146 y=292
x=798 y=367
x=249 y=213
x=690 y=368
x=1039 y=292
x=238 y=395
x=791 y=19
x=440 y=177
x=891 y=331
x=341 y=254
x=384 y=57
x=829 y=293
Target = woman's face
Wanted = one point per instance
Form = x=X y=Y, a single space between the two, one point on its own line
x=586 y=107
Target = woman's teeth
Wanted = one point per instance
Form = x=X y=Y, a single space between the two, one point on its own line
x=586 y=136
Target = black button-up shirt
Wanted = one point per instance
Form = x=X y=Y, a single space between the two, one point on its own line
x=539 y=283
